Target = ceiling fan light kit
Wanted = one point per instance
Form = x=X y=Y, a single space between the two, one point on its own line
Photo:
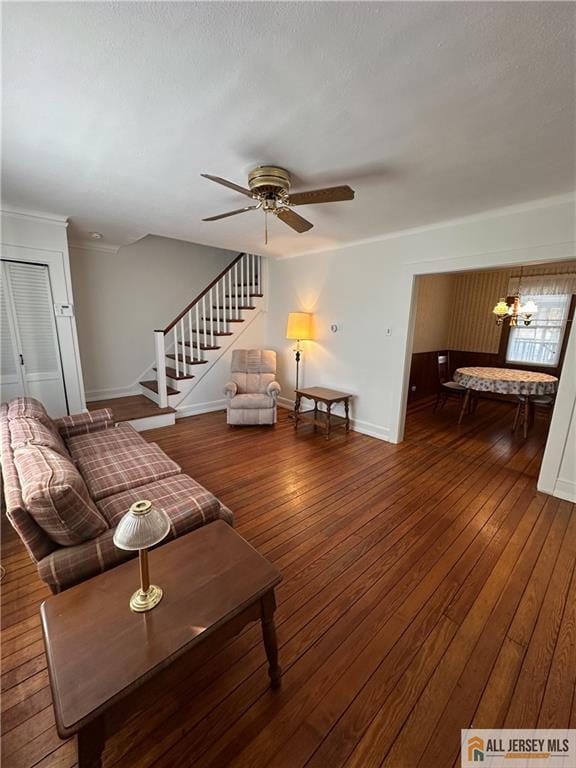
x=269 y=186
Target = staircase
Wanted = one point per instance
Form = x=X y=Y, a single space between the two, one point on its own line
x=194 y=341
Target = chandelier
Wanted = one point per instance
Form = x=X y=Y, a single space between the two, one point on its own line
x=510 y=308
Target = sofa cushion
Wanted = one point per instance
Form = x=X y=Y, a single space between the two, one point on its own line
x=26 y=431
x=35 y=539
x=119 y=438
x=56 y=497
x=112 y=471
x=252 y=401
x=85 y=422
x=30 y=408
x=182 y=498
x=188 y=505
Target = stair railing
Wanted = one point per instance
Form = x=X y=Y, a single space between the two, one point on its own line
x=193 y=331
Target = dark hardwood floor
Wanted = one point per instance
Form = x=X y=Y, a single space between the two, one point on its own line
x=427 y=586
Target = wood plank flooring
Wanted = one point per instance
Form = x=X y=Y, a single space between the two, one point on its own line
x=427 y=586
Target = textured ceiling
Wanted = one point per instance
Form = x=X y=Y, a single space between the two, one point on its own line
x=430 y=111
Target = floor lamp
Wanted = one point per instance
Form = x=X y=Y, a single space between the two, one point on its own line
x=299 y=329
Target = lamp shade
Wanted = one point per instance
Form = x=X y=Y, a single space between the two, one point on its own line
x=299 y=326
x=501 y=308
x=141 y=527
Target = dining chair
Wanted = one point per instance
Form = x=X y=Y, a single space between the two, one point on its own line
x=446 y=386
x=523 y=410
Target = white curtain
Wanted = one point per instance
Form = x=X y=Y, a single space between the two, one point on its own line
x=543 y=285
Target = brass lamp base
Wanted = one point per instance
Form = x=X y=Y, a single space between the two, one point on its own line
x=144 y=601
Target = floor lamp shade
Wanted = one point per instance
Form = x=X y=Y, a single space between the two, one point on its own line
x=299 y=326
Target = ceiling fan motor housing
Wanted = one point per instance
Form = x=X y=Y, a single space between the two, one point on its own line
x=269 y=181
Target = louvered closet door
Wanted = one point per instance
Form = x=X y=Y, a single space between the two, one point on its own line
x=11 y=374
x=28 y=310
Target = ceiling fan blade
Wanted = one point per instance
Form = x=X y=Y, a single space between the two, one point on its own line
x=229 y=184
x=232 y=213
x=294 y=220
x=328 y=195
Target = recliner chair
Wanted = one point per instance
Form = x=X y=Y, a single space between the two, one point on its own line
x=253 y=391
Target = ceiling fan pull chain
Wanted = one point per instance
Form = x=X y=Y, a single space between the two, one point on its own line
x=265 y=227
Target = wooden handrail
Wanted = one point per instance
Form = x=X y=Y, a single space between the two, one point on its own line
x=203 y=293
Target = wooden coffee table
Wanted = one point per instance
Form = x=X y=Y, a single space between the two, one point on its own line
x=324 y=419
x=102 y=657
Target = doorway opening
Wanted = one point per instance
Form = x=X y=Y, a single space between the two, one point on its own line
x=484 y=415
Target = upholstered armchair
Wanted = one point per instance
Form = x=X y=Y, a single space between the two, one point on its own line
x=252 y=391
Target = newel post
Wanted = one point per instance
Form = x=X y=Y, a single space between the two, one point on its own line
x=161 y=368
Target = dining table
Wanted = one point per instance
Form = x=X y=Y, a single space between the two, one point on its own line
x=525 y=385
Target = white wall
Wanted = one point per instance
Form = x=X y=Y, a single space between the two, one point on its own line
x=367 y=288
x=41 y=238
x=558 y=471
x=123 y=296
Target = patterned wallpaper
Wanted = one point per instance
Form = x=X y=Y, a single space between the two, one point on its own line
x=471 y=325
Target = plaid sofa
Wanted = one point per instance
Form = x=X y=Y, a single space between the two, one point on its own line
x=68 y=482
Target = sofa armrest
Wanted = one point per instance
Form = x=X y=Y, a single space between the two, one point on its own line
x=83 y=423
x=273 y=389
x=230 y=389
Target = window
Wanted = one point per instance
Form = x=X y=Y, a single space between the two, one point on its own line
x=540 y=343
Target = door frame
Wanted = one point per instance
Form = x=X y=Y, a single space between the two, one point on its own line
x=557 y=252
x=59 y=272
x=13 y=321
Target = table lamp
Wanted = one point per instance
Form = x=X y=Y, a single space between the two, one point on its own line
x=140 y=528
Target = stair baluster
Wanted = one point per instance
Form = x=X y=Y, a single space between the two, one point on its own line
x=183 y=346
x=198 y=350
x=177 y=365
x=211 y=302
x=227 y=295
x=191 y=335
x=160 y=351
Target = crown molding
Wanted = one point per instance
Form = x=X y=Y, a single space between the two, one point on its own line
x=23 y=213
x=546 y=202
x=93 y=246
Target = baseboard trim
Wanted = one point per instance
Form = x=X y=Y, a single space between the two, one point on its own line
x=110 y=394
x=565 y=489
x=364 y=427
x=196 y=409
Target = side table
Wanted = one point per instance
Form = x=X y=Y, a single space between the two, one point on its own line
x=324 y=419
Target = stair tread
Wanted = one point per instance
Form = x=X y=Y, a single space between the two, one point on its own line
x=171 y=372
x=153 y=387
x=188 y=360
x=131 y=407
x=216 y=333
x=202 y=346
x=251 y=295
x=227 y=320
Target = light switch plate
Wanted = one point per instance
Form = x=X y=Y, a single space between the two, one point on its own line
x=64 y=310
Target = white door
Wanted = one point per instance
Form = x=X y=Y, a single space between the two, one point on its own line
x=30 y=354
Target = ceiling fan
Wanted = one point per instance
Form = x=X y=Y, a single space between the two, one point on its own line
x=269 y=187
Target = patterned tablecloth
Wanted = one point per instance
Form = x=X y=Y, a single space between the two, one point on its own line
x=506 y=381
